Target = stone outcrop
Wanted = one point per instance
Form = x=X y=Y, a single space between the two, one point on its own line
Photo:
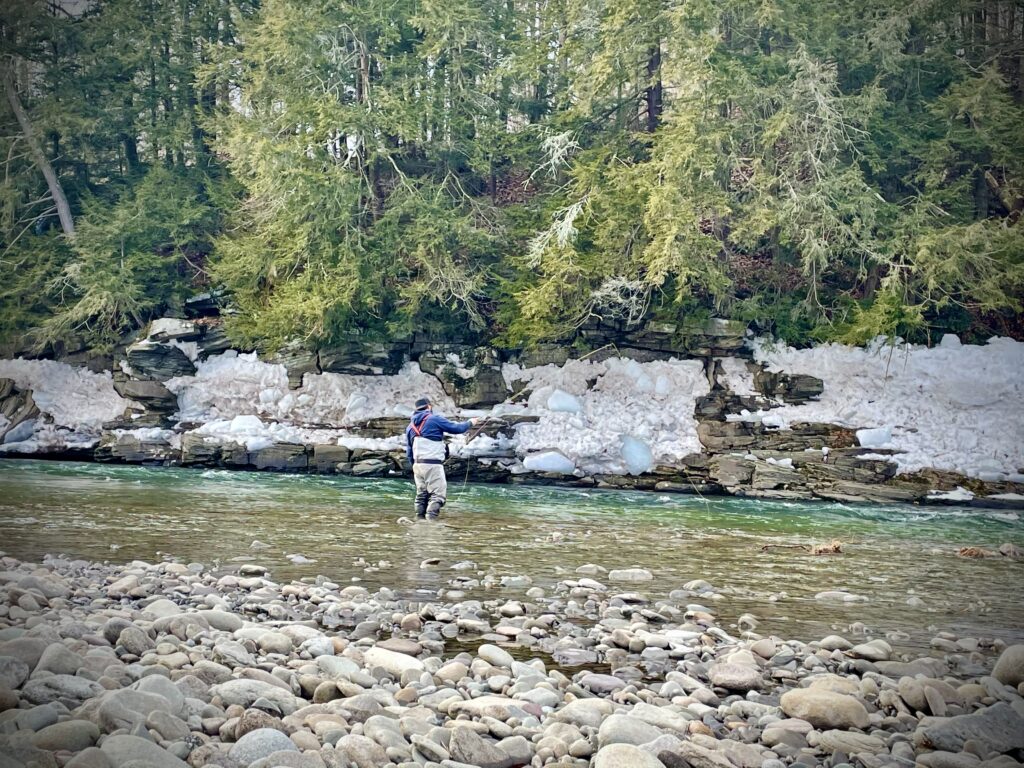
x=19 y=411
x=157 y=361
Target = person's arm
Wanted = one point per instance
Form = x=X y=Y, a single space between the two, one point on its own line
x=408 y=444
x=453 y=427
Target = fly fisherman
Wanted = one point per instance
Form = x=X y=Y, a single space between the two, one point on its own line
x=425 y=448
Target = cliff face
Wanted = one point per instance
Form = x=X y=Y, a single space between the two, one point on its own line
x=691 y=409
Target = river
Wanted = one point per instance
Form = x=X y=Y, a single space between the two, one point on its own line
x=901 y=559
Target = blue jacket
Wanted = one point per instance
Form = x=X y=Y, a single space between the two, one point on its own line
x=432 y=427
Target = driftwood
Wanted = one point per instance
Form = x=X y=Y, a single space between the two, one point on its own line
x=976 y=552
x=834 y=547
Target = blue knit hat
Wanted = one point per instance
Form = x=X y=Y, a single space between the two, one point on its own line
x=423 y=403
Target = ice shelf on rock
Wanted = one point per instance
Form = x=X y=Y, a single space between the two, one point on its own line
x=232 y=384
x=954 y=406
x=878 y=437
x=563 y=402
x=73 y=397
x=550 y=461
x=736 y=377
x=960 y=494
x=652 y=402
x=636 y=456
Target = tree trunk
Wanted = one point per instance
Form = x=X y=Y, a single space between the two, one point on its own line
x=654 y=88
x=67 y=223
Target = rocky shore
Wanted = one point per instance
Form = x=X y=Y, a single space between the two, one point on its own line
x=170 y=665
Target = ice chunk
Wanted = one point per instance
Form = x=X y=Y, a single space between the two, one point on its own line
x=774 y=420
x=879 y=437
x=561 y=401
x=550 y=461
x=637 y=455
x=243 y=424
x=21 y=432
x=960 y=494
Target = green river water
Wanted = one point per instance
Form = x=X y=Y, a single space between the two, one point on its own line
x=892 y=554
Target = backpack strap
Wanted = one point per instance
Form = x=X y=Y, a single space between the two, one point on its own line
x=418 y=430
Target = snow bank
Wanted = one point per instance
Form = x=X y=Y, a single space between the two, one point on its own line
x=230 y=384
x=955 y=407
x=73 y=397
x=651 y=403
x=736 y=377
x=254 y=434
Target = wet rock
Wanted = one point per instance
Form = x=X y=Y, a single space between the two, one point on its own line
x=824 y=709
x=57 y=659
x=630 y=575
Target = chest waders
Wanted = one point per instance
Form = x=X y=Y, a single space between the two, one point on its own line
x=431 y=483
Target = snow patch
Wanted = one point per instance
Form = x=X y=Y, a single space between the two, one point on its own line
x=651 y=402
x=230 y=384
x=955 y=406
x=960 y=494
x=736 y=377
x=72 y=397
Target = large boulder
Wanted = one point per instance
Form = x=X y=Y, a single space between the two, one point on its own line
x=1009 y=668
x=133 y=750
x=13 y=672
x=67 y=689
x=391 y=662
x=824 y=709
x=467 y=747
x=260 y=743
x=623 y=729
x=736 y=677
x=625 y=756
x=245 y=692
x=125 y=708
x=998 y=727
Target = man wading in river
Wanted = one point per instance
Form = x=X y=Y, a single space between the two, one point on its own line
x=425 y=448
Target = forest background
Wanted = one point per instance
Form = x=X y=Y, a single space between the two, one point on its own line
x=513 y=169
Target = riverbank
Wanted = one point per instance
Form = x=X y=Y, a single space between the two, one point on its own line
x=171 y=664
x=705 y=410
